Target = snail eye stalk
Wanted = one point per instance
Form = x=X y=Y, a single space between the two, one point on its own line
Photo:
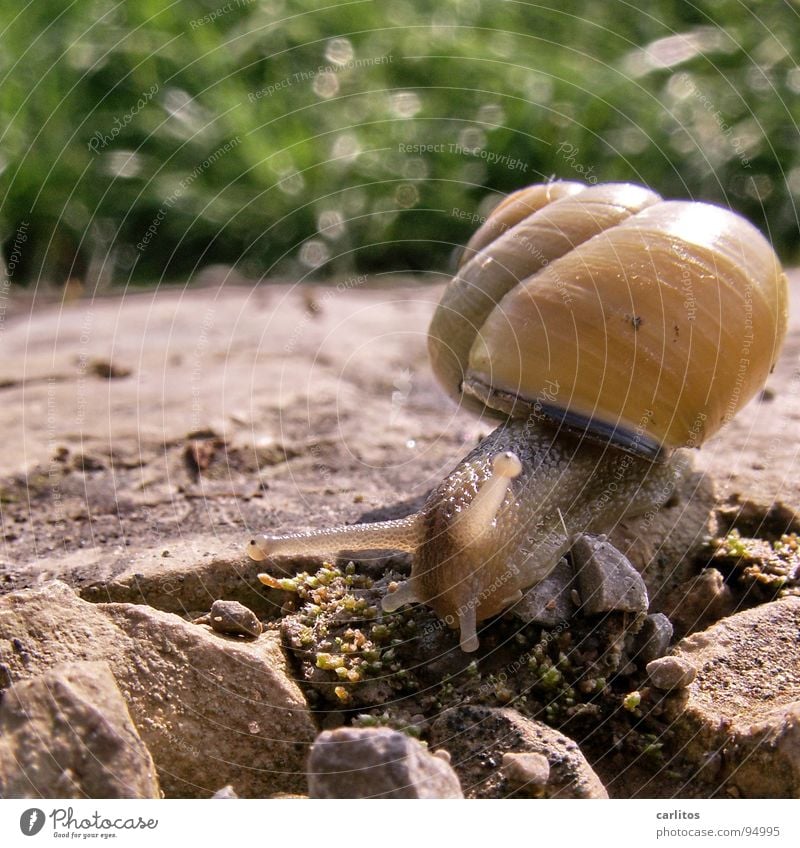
x=479 y=517
x=403 y=534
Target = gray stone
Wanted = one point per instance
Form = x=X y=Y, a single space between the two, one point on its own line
x=739 y=721
x=654 y=638
x=668 y=673
x=606 y=579
x=479 y=737
x=211 y=709
x=526 y=773
x=548 y=602
x=68 y=734
x=377 y=762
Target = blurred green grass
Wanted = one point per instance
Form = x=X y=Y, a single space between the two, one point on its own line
x=141 y=142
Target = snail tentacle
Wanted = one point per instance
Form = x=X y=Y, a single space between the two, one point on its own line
x=404 y=534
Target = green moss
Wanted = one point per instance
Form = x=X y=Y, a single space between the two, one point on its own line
x=381 y=632
x=329 y=662
x=388 y=718
x=631 y=701
x=767 y=567
x=551 y=678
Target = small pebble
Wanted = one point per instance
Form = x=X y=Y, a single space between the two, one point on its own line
x=234 y=619
x=526 y=771
x=668 y=673
x=226 y=792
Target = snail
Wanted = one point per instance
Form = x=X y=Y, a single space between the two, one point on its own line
x=610 y=331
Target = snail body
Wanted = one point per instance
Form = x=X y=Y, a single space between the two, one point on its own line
x=473 y=562
x=608 y=330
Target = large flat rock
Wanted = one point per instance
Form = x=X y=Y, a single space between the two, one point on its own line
x=740 y=719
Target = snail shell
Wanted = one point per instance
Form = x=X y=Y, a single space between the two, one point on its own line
x=647 y=321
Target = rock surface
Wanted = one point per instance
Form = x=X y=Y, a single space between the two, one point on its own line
x=180 y=575
x=741 y=720
x=68 y=734
x=479 y=737
x=290 y=391
x=211 y=709
x=527 y=773
x=377 y=763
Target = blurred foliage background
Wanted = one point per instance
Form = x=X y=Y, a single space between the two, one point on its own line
x=142 y=141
